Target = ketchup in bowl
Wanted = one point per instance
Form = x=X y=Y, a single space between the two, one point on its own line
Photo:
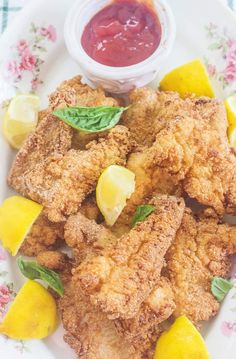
x=124 y=33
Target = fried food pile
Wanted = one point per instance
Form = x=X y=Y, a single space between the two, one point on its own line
x=124 y=285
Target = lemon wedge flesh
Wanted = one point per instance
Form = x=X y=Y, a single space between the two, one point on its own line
x=32 y=315
x=232 y=136
x=17 y=214
x=181 y=341
x=115 y=185
x=20 y=118
x=191 y=78
x=230 y=105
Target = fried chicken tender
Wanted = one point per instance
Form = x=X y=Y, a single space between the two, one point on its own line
x=120 y=279
x=185 y=150
x=199 y=252
x=43 y=235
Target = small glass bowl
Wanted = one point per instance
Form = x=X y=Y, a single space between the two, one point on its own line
x=116 y=79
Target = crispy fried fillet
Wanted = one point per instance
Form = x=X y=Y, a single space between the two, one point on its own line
x=75 y=175
x=120 y=279
x=150 y=111
x=88 y=331
x=51 y=140
x=86 y=237
x=161 y=167
x=185 y=150
x=53 y=260
x=73 y=93
x=199 y=252
x=143 y=330
x=43 y=235
x=61 y=183
x=48 y=143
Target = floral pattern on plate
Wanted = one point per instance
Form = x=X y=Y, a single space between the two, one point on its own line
x=222 y=66
x=7 y=295
x=28 y=56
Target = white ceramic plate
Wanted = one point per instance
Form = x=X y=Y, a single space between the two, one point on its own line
x=205 y=29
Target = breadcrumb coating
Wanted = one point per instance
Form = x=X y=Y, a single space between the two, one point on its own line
x=120 y=279
x=200 y=251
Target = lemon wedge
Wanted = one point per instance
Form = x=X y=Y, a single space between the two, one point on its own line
x=115 y=185
x=20 y=118
x=17 y=214
x=232 y=136
x=32 y=315
x=182 y=341
x=189 y=78
x=230 y=105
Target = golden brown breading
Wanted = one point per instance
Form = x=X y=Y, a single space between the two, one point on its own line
x=53 y=260
x=199 y=252
x=86 y=237
x=161 y=167
x=188 y=151
x=61 y=183
x=73 y=93
x=123 y=277
x=45 y=235
x=75 y=175
x=143 y=330
x=51 y=140
x=150 y=111
x=42 y=236
x=90 y=209
x=211 y=178
x=88 y=331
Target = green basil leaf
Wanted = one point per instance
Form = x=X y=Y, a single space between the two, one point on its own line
x=33 y=270
x=220 y=287
x=142 y=212
x=90 y=119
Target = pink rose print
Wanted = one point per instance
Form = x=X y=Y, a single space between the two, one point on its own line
x=28 y=61
x=230 y=72
x=228 y=328
x=49 y=32
x=5 y=297
x=30 y=56
x=231 y=53
x=34 y=83
x=22 y=46
x=3 y=255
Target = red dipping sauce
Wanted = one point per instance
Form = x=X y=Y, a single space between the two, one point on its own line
x=123 y=33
